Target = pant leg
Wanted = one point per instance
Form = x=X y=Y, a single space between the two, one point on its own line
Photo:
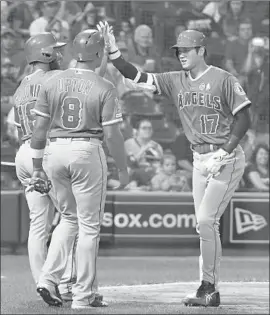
x=217 y=195
x=70 y=274
x=199 y=184
x=89 y=175
x=41 y=210
x=57 y=167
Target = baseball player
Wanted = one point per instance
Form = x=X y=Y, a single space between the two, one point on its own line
x=77 y=108
x=213 y=109
x=40 y=205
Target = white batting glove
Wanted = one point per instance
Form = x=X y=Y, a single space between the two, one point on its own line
x=139 y=86
x=110 y=42
x=217 y=160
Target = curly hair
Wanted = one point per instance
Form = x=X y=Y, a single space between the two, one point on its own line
x=257 y=148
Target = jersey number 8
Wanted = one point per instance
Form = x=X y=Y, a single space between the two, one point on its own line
x=71 y=112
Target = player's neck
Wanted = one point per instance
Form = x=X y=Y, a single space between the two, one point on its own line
x=85 y=66
x=40 y=66
x=197 y=71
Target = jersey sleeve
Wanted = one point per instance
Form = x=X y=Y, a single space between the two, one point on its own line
x=111 y=111
x=16 y=121
x=235 y=95
x=42 y=106
x=163 y=83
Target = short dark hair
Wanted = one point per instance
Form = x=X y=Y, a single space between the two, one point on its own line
x=138 y=123
x=205 y=51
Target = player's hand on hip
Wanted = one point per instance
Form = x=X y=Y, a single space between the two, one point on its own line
x=39 y=182
x=123 y=178
x=216 y=162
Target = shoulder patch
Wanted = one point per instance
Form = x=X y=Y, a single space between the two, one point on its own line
x=238 y=89
x=118 y=112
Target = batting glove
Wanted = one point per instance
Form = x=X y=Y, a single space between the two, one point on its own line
x=39 y=182
x=217 y=160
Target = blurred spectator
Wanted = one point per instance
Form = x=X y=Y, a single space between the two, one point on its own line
x=141 y=149
x=256 y=175
x=235 y=13
x=49 y=16
x=142 y=51
x=71 y=12
x=125 y=33
x=144 y=156
x=237 y=51
x=215 y=9
x=184 y=156
x=89 y=17
x=4 y=13
x=21 y=16
x=194 y=18
x=256 y=67
x=169 y=179
x=248 y=143
x=260 y=16
x=11 y=49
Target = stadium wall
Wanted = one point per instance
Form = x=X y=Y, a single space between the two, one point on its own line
x=153 y=218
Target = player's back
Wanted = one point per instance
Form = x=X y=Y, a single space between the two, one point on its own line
x=75 y=98
x=25 y=99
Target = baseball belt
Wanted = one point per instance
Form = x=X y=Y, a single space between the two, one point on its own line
x=204 y=148
x=90 y=139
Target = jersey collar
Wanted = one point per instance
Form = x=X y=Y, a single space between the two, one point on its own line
x=78 y=69
x=199 y=76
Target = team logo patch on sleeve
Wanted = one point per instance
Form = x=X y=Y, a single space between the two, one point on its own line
x=118 y=112
x=238 y=89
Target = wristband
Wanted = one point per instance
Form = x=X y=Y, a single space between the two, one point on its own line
x=37 y=154
x=114 y=55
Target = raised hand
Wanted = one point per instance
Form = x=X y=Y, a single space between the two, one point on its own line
x=107 y=33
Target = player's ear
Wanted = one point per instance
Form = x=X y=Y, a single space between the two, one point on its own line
x=201 y=51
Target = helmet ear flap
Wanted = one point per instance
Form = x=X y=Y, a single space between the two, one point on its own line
x=48 y=54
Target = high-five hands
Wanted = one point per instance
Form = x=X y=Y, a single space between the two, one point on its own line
x=107 y=32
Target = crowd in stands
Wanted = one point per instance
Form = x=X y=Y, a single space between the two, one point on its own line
x=159 y=155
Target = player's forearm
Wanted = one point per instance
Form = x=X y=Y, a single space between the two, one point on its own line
x=115 y=144
x=240 y=127
x=129 y=71
x=38 y=141
x=103 y=66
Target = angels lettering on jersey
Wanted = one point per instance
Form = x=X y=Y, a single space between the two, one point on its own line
x=206 y=104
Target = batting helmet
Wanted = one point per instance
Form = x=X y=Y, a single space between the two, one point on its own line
x=40 y=48
x=190 y=39
x=87 y=45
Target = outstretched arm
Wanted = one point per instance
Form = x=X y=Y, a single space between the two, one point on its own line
x=126 y=69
